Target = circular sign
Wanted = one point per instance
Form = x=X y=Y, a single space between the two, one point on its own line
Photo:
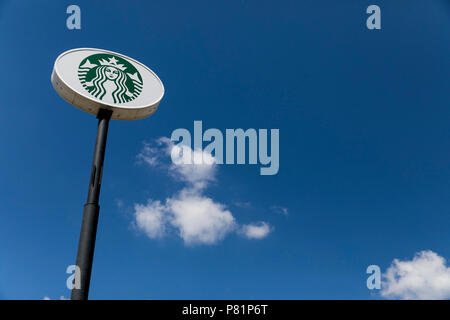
x=94 y=79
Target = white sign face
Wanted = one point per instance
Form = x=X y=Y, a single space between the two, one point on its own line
x=94 y=79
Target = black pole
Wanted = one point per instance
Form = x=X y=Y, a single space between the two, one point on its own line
x=88 y=232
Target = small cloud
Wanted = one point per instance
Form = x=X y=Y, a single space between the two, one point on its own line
x=424 y=277
x=199 y=219
x=197 y=171
x=119 y=203
x=258 y=230
x=195 y=167
x=153 y=153
x=148 y=155
x=60 y=298
x=280 y=210
x=242 y=204
x=150 y=218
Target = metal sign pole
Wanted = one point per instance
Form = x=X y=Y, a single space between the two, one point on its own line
x=109 y=85
x=88 y=232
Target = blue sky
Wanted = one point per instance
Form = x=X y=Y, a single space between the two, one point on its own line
x=364 y=145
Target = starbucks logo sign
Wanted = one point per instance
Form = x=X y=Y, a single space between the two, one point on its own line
x=110 y=78
x=95 y=79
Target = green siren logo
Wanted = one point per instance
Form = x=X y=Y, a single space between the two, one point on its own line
x=110 y=78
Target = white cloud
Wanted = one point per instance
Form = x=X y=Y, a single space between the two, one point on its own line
x=280 y=210
x=199 y=219
x=149 y=155
x=424 y=277
x=195 y=167
x=119 y=203
x=256 y=230
x=150 y=218
x=198 y=171
x=196 y=218
x=244 y=204
x=60 y=298
x=153 y=153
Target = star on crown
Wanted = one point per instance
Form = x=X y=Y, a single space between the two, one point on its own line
x=113 y=63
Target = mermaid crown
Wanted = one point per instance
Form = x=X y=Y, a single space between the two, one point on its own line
x=113 y=62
